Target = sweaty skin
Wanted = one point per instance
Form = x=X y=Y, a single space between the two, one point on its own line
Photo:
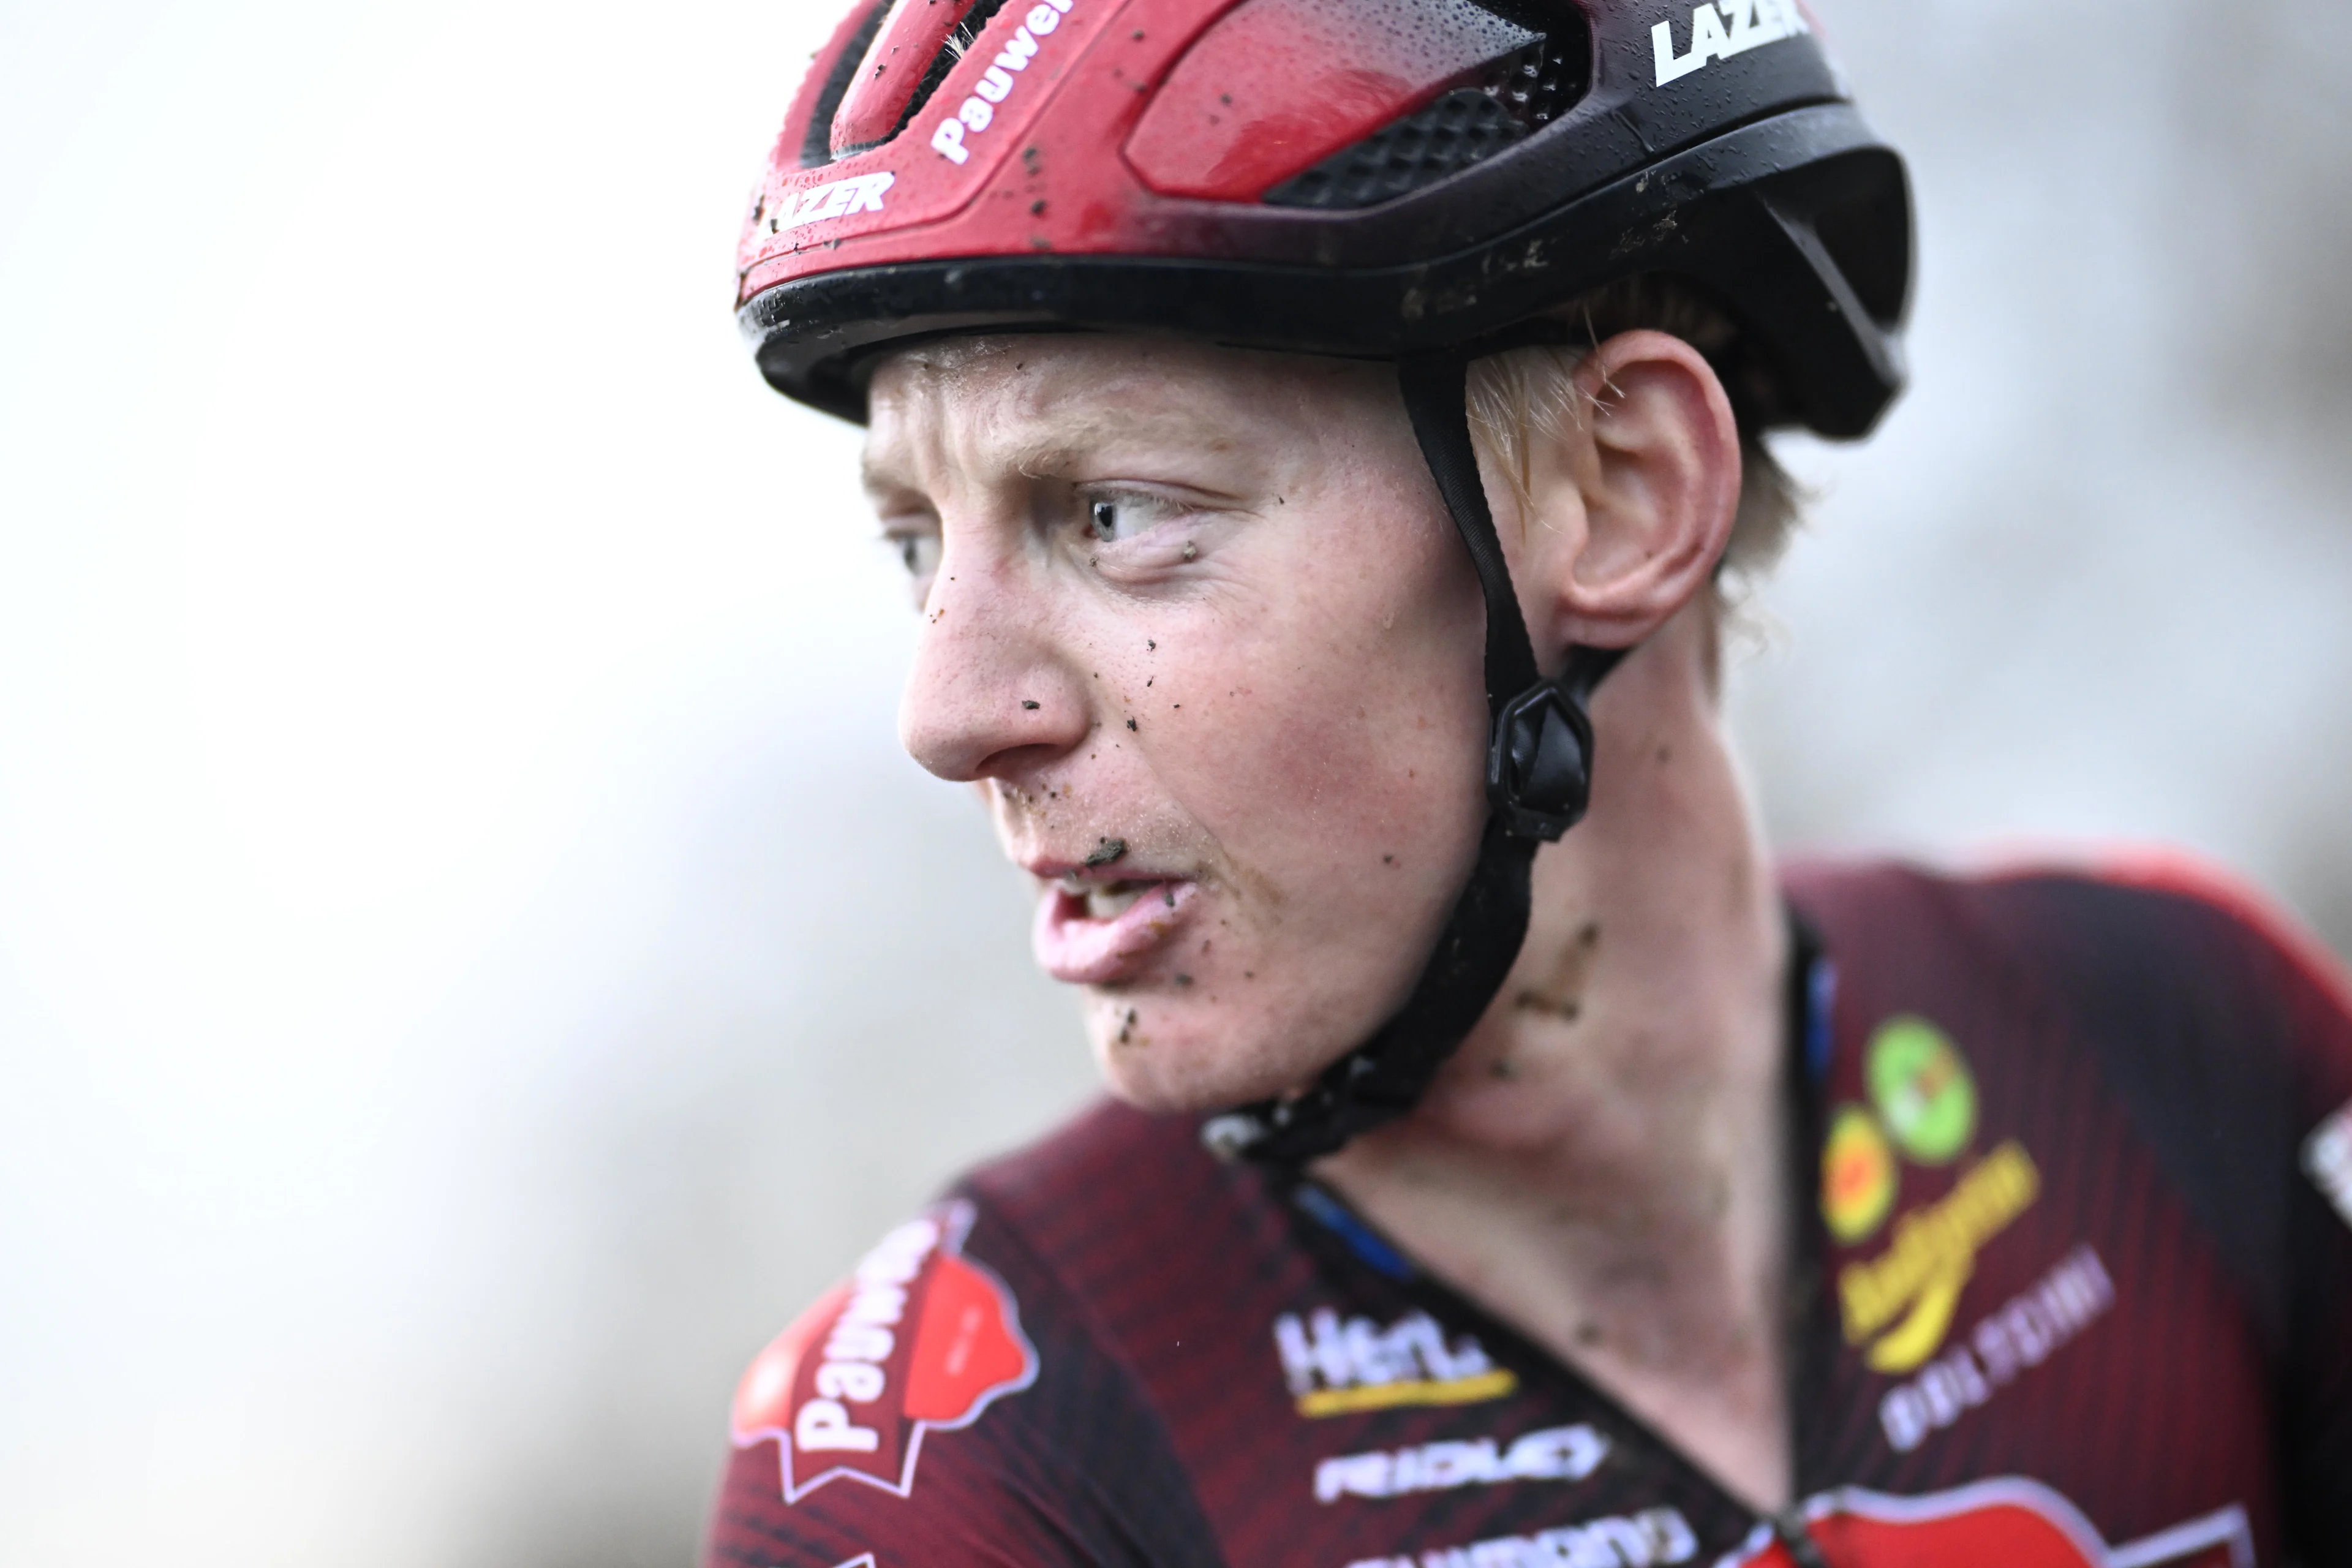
x=1197 y=627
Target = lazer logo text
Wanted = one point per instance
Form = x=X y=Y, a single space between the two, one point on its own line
x=840 y=198
x=1723 y=28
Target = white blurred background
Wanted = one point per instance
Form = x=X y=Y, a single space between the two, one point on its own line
x=473 y=961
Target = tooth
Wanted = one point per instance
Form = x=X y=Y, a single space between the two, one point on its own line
x=1109 y=903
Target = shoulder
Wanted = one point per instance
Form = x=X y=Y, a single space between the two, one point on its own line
x=2225 y=1024
x=2218 y=1027
x=1109 y=1178
x=2126 y=926
x=952 y=1402
x=2173 y=992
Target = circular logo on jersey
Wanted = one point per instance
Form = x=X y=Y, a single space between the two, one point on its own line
x=1923 y=1090
x=1857 y=1175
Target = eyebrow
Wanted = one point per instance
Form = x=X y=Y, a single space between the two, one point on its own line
x=1038 y=453
x=884 y=467
x=1098 y=428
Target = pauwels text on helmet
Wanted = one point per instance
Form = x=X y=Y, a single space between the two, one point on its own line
x=978 y=112
x=1753 y=23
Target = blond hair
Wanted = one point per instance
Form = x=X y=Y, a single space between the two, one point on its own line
x=1518 y=399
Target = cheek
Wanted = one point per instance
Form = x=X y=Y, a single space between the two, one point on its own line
x=1330 y=746
x=1358 y=709
x=1334 y=786
x=1348 y=761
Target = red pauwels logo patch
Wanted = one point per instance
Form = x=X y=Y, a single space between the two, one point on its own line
x=920 y=1338
x=2008 y=1521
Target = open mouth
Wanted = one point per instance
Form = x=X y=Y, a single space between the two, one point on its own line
x=1104 y=902
x=1095 y=932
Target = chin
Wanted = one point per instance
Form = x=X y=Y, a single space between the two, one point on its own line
x=1196 y=1057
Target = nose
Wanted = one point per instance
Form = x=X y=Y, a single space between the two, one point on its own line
x=990 y=696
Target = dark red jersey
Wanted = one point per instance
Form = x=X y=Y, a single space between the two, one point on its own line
x=2078 y=1292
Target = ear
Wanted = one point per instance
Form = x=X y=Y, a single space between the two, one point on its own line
x=1633 y=495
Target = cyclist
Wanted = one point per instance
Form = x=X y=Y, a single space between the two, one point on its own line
x=1322 y=435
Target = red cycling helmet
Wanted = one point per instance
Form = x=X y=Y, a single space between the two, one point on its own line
x=1410 y=180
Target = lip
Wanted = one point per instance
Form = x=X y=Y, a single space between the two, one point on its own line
x=1079 y=949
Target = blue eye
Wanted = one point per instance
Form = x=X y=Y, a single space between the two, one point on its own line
x=1118 y=515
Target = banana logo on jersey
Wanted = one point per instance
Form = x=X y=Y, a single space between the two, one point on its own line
x=1924 y=1104
x=1902 y=1300
x=920 y=1338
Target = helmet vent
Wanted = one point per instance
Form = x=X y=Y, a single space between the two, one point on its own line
x=1511 y=99
x=1460 y=129
x=818 y=149
x=816 y=144
x=950 y=54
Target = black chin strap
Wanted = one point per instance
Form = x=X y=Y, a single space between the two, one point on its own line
x=1538 y=783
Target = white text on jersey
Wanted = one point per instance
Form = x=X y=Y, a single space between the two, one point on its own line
x=1335 y=1366
x=1555 y=1454
x=1655 y=1535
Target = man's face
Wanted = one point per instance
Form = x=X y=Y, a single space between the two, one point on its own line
x=1197 y=625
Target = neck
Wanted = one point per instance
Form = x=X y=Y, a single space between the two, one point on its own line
x=1602 y=1164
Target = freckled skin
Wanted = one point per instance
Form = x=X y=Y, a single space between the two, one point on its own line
x=1275 y=768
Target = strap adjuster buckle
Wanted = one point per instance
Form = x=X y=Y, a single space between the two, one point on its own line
x=1539 y=763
